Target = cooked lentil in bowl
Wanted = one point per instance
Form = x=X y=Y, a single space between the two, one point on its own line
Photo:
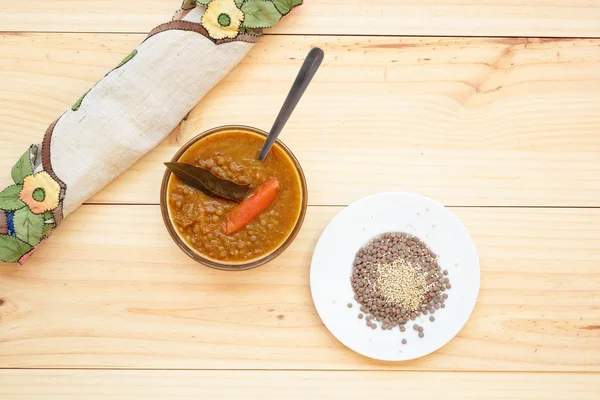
x=203 y=223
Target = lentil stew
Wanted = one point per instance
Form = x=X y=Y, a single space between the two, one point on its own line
x=202 y=221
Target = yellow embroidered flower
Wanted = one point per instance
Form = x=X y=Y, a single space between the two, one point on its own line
x=40 y=192
x=222 y=19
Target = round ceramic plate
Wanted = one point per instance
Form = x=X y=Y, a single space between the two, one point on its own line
x=354 y=227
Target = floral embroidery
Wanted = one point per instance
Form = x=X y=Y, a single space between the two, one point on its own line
x=40 y=192
x=26 y=208
x=227 y=18
x=222 y=19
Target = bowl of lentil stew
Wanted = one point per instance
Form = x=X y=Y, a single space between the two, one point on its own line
x=198 y=222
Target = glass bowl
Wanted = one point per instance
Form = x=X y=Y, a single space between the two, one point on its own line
x=226 y=265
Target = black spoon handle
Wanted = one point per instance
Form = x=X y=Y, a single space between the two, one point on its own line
x=308 y=70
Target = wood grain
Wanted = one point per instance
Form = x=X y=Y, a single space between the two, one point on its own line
x=497 y=121
x=550 y=18
x=244 y=385
x=110 y=290
x=509 y=122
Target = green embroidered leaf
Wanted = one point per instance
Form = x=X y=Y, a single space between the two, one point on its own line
x=29 y=227
x=188 y=4
x=12 y=249
x=47 y=229
x=260 y=14
x=251 y=31
x=48 y=215
x=205 y=2
x=127 y=59
x=78 y=102
x=9 y=198
x=22 y=168
x=285 y=6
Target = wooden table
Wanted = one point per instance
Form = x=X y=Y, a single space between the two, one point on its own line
x=491 y=107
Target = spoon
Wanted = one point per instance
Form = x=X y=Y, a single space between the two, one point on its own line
x=307 y=71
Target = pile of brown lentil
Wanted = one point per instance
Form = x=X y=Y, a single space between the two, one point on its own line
x=396 y=278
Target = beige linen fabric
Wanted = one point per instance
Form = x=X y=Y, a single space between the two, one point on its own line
x=122 y=117
x=136 y=106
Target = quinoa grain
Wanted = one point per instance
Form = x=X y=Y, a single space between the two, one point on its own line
x=397 y=278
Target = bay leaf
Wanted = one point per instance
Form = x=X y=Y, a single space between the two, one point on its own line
x=204 y=180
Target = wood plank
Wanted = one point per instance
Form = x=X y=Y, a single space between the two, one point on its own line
x=110 y=289
x=550 y=18
x=466 y=121
x=135 y=384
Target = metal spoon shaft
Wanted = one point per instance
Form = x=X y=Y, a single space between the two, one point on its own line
x=307 y=71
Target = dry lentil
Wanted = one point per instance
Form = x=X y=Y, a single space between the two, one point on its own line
x=404 y=341
x=396 y=278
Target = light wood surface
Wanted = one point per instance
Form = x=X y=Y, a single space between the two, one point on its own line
x=469 y=122
x=124 y=296
x=550 y=18
x=491 y=105
x=265 y=385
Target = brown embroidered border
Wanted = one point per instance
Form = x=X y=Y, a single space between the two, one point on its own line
x=47 y=165
x=3 y=223
x=196 y=27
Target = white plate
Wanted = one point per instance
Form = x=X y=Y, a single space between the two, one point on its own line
x=351 y=229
